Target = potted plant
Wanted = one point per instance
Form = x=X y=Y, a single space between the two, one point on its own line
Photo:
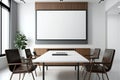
x=20 y=41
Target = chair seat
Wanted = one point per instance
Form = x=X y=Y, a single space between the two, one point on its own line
x=24 y=68
x=95 y=68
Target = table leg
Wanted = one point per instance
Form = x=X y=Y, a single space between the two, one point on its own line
x=78 y=72
x=43 y=71
x=75 y=67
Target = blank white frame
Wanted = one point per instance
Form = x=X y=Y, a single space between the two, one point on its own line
x=61 y=25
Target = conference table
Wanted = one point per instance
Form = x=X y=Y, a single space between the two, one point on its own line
x=66 y=56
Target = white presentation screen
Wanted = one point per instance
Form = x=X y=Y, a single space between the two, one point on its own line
x=61 y=25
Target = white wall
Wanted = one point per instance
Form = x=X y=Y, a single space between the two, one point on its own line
x=3 y=62
x=97 y=33
x=96 y=26
x=113 y=41
x=113 y=36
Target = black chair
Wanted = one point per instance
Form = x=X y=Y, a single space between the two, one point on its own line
x=101 y=67
x=95 y=54
x=36 y=54
x=30 y=56
x=16 y=66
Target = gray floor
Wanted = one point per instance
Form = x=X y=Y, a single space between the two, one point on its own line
x=53 y=73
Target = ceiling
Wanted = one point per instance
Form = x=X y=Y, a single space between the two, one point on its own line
x=114 y=9
x=29 y=1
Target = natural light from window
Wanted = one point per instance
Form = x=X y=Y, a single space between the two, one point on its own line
x=6 y=2
x=5 y=29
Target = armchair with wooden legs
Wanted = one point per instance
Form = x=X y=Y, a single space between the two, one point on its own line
x=93 y=57
x=30 y=56
x=16 y=66
x=101 y=67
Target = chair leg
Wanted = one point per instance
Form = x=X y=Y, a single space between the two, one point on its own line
x=39 y=67
x=46 y=67
x=23 y=76
x=102 y=76
x=83 y=70
x=33 y=76
x=75 y=67
x=90 y=72
x=105 y=73
x=35 y=73
x=89 y=75
x=98 y=76
x=11 y=76
x=107 y=76
x=19 y=76
x=85 y=76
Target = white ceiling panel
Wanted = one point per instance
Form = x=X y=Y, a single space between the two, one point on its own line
x=114 y=9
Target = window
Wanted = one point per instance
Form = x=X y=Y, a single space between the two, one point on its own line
x=4 y=25
x=6 y=2
x=5 y=29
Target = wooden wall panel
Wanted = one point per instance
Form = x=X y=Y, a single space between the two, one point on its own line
x=40 y=51
x=82 y=51
x=61 y=6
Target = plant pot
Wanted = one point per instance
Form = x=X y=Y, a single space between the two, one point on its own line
x=22 y=53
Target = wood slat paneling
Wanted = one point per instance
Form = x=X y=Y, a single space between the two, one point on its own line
x=61 y=6
x=40 y=51
x=82 y=51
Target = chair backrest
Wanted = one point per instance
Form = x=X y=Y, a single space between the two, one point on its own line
x=96 y=53
x=34 y=53
x=28 y=53
x=108 y=58
x=12 y=56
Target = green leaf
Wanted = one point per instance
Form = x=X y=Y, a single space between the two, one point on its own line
x=20 y=41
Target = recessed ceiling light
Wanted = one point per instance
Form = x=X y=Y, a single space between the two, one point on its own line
x=100 y=1
x=119 y=7
x=22 y=1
